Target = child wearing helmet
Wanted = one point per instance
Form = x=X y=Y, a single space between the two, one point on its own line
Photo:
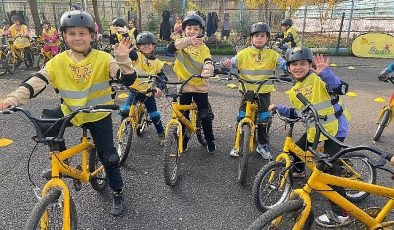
x=81 y=76
x=257 y=62
x=321 y=87
x=192 y=58
x=121 y=30
x=3 y=34
x=290 y=37
x=50 y=37
x=145 y=64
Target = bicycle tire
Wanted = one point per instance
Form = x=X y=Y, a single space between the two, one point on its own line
x=244 y=152
x=289 y=210
x=125 y=137
x=264 y=190
x=171 y=161
x=142 y=121
x=43 y=205
x=362 y=161
x=94 y=163
x=28 y=63
x=11 y=63
x=40 y=62
x=199 y=133
x=382 y=124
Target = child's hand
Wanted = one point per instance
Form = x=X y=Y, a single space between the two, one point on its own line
x=271 y=107
x=4 y=105
x=159 y=93
x=195 y=41
x=121 y=30
x=392 y=161
x=122 y=48
x=320 y=63
x=227 y=62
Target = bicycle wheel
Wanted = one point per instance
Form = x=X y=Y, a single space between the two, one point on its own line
x=356 y=166
x=29 y=58
x=267 y=190
x=199 y=133
x=11 y=62
x=172 y=158
x=244 y=153
x=40 y=61
x=125 y=136
x=98 y=182
x=382 y=124
x=142 y=119
x=52 y=205
x=282 y=217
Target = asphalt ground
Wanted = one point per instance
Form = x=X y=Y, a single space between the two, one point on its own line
x=207 y=196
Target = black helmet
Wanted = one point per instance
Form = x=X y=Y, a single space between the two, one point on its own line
x=260 y=27
x=118 y=22
x=299 y=53
x=76 y=18
x=287 y=22
x=193 y=19
x=16 y=17
x=145 y=37
x=45 y=22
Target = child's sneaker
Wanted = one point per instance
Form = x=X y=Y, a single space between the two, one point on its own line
x=331 y=220
x=162 y=138
x=234 y=153
x=264 y=150
x=211 y=147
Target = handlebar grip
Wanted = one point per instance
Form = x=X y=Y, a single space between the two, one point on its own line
x=302 y=98
x=110 y=107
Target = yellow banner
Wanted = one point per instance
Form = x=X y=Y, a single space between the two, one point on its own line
x=375 y=45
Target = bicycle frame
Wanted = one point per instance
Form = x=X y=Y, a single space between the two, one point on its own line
x=177 y=118
x=133 y=117
x=387 y=107
x=250 y=114
x=320 y=182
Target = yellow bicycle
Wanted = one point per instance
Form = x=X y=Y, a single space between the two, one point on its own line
x=386 y=115
x=296 y=213
x=173 y=147
x=56 y=208
x=19 y=52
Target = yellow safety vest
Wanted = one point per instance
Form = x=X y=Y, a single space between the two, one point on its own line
x=81 y=84
x=145 y=67
x=50 y=33
x=314 y=89
x=14 y=32
x=255 y=64
x=190 y=61
x=293 y=31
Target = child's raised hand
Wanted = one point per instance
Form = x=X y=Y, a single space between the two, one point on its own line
x=320 y=63
x=196 y=41
x=123 y=48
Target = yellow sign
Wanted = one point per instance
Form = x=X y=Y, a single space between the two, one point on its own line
x=375 y=45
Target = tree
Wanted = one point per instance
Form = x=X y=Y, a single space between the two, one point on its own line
x=96 y=14
x=290 y=4
x=35 y=15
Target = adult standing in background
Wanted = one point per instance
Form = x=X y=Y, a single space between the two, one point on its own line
x=226 y=26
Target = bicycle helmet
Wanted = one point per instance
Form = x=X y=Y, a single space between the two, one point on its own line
x=145 y=37
x=287 y=22
x=119 y=22
x=193 y=20
x=260 y=27
x=16 y=18
x=76 y=18
x=300 y=53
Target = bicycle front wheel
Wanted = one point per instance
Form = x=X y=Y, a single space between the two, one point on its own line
x=49 y=212
x=282 y=217
x=271 y=187
x=142 y=120
x=382 y=124
x=199 y=133
x=125 y=137
x=244 y=152
x=11 y=62
x=99 y=182
x=356 y=166
x=172 y=158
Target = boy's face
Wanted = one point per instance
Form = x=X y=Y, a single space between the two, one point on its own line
x=191 y=31
x=17 y=22
x=131 y=25
x=259 y=39
x=284 y=28
x=45 y=26
x=78 y=38
x=299 y=69
x=146 y=48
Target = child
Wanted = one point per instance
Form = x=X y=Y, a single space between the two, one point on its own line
x=193 y=57
x=290 y=37
x=50 y=37
x=6 y=26
x=121 y=31
x=321 y=87
x=257 y=62
x=145 y=63
x=81 y=76
x=19 y=29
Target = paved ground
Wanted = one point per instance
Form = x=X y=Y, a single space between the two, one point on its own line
x=207 y=196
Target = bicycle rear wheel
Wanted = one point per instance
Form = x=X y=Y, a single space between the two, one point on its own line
x=356 y=166
x=244 y=152
x=125 y=137
x=49 y=210
x=282 y=217
x=268 y=192
x=382 y=124
x=172 y=158
x=99 y=182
